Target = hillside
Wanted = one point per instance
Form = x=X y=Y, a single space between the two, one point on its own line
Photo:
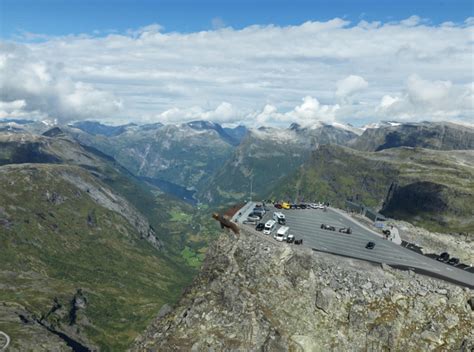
x=265 y=157
x=88 y=254
x=184 y=155
x=433 y=189
x=255 y=294
x=430 y=135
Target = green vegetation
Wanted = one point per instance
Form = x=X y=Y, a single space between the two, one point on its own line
x=56 y=248
x=56 y=237
x=192 y=258
x=434 y=189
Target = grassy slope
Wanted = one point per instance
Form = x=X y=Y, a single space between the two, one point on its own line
x=125 y=279
x=265 y=162
x=51 y=250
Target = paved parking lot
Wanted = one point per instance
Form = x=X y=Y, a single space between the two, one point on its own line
x=306 y=224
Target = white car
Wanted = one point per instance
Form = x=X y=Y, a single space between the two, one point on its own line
x=282 y=233
x=279 y=237
x=279 y=217
x=269 y=227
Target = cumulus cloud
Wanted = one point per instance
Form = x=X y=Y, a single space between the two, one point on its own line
x=229 y=75
x=223 y=113
x=350 y=85
x=426 y=99
x=309 y=112
x=41 y=89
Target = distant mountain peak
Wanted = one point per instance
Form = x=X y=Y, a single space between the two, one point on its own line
x=54 y=132
x=295 y=126
x=97 y=128
x=203 y=125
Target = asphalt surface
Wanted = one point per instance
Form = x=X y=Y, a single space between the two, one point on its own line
x=306 y=224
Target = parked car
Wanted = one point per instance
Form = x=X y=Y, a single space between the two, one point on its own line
x=290 y=238
x=260 y=226
x=270 y=225
x=328 y=227
x=370 y=245
x=302 y=206
x=293 y=206
x=279 y=237
x=300 y=241
x=453 y=261
x=285 y=205
x=443 y=257
x=259 y=211
x=279 y=217
x=277 y=205
x=346 y=230
x=253 y=218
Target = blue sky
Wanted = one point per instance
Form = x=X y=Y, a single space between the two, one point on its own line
x=61 y=17
x=253 y=62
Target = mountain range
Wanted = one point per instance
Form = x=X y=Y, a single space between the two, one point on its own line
x=97 y=233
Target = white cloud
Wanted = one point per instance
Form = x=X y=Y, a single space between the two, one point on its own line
x=429 y=100
x=309 y=112
x=350 y=85
x=229 y=74
x=223 y=113
x=40 y=88
x=411 y=21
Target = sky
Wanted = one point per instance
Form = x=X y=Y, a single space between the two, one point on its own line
x=252 y=62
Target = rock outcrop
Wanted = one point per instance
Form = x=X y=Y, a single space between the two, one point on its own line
x=430 y=135
x=255 y=294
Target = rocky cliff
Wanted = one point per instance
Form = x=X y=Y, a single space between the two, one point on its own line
x=255 y=294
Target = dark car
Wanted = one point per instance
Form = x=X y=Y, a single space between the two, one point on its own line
x=302 y=206
x=370 y=245
x=260 y=226
x=346 y=230
x=453 y=261
x=443 y=257
x=293 y=206
x=276 y=205
x=328 y=227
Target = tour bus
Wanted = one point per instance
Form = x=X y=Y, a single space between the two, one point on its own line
x=269 y=227
x=282 y=233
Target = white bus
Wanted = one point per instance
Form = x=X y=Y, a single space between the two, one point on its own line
x=269 y=227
